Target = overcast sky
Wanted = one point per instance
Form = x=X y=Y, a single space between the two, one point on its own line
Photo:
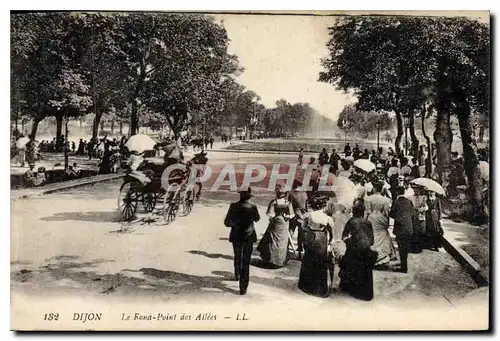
x=282 y=55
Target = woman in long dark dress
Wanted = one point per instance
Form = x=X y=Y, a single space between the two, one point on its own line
x=433 y=221
x=273 y=246
x=105 y=167
x=356 y=267
x=313 y=278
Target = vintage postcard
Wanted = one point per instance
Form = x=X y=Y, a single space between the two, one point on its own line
x=235 y=171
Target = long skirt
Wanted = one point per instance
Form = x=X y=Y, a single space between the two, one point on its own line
x=313 y=278
x=434 y=230
x=356 y=274
x=419 y=235
x=273 y=246
x=383 y=245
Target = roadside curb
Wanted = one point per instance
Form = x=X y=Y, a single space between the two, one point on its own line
x=65 y=186
x=463 y=258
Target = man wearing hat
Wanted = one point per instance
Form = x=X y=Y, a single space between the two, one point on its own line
x=402 y=213
x=241 y=217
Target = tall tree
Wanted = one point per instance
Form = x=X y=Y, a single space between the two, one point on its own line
x=375 y=57
x=37 y=61
x=468 y=60
x=194 y=65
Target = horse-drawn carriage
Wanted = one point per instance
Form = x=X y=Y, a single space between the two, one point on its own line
x=144 y=185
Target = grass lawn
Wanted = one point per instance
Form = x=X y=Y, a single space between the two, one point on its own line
x=309 y=145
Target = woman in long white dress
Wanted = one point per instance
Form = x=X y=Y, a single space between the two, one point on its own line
x=377 y=209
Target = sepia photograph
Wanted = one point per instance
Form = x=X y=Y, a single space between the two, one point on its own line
x=250 y=171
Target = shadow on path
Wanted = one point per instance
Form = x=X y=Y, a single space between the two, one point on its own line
x=94 y=216
x=210 y=255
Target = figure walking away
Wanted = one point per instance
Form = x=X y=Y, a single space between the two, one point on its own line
x=317 y=262
x=273 y=246
x=241 y=218
x=356 y=266
x=377 y=209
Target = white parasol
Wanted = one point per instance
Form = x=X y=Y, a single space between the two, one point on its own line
x=430 y=185
x=140 y=143
x=484 y=168
x=344 y=190
x=365 y=165
x=22 y=142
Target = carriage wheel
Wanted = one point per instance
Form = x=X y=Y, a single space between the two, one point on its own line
x=170 y=206
x=149 y=202
x=170 y=212
x=127 y=201
x=187 y=206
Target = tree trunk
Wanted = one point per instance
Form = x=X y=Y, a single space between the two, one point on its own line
x=428 y=160
x=95 y=126
x=134 y=122
x=121 y=128
x=112 y=127
x=59 y=119
x=443 y=137
x=471 y=165
x=414 y=140
x=481 y=134
x=34 y=128
x=399 y=125
x=102 y=126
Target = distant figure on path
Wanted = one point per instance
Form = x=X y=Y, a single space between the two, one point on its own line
x=356 y=153
x=323 y=158
x=301 y=156
x=347 y=150
x=334 y=161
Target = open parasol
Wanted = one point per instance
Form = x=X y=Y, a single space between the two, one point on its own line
x=430 y=185
x=365 y=165
x=484 y=168
x=140 y=143
x=344 y=190
x=22 y=142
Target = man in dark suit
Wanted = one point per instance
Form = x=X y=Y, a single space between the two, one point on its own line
x=402 y=213
x=241 y=217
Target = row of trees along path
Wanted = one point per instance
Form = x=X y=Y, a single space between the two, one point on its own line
x=418 y=67
x=148 y=69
